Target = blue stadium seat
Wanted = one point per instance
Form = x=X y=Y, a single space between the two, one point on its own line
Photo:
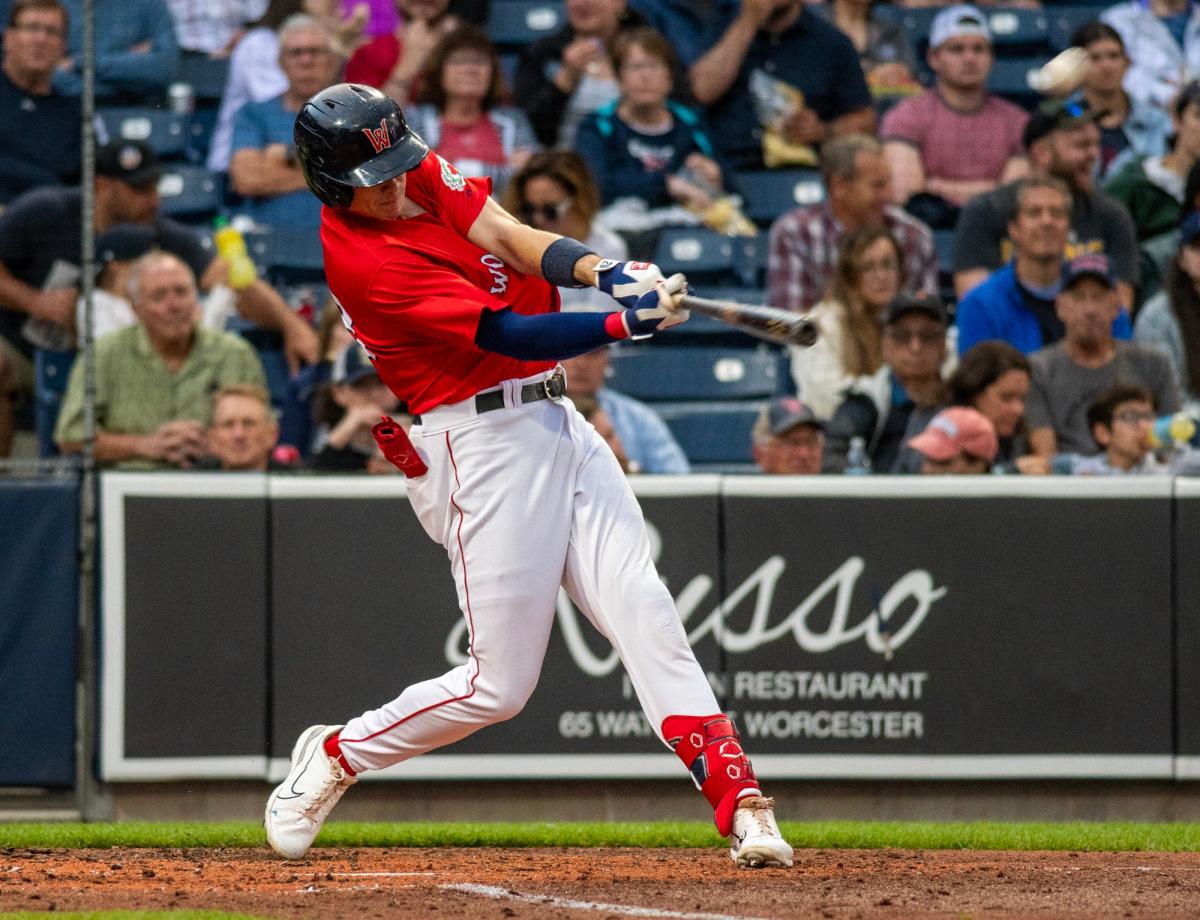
x=1014 y=27
x=276 y=370
x=205 y=75
x=1065 y=19
x=768 y=195
x=189 y=193
x=1009 y=78
x=286 y=255
x=51 y=370
x=513 y=23
x=750 y=260
x=680 y=373
x=698 y=252
x=163 y=130
x=712 y=433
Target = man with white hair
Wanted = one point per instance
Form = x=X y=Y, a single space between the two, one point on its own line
x=264 y=168
x=155 y=380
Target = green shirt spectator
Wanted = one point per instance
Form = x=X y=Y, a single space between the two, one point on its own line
x=155 y=380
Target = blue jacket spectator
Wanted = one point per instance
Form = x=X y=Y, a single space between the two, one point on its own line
x=787 y=45
x=688 y=23
x=40 y=143
x=136 y=52
x=264 y=167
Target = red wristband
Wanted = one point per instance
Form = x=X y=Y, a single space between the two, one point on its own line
x=614 y=325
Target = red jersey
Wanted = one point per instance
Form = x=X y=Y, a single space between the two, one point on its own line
x=412 y=290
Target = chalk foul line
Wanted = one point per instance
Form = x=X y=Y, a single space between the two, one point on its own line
x=503 y=894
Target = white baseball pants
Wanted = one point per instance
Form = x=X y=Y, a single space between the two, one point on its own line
x=525 y=499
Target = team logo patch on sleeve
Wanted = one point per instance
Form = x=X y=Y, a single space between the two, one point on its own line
x=451 y=177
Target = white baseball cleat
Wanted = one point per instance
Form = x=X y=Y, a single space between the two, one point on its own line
x=301 y=803
x=756 y=841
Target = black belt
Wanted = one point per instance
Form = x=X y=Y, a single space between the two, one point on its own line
x=553 y=387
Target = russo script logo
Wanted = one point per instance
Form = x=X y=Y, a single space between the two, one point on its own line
x=916 y=589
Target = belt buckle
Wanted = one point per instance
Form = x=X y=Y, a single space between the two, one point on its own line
x=555 y=386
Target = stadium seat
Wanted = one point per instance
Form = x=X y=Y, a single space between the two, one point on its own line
x=1016 y=28
x=205 y=75
x=677 y=372
x=1009 y=78
x=1064 y=20
x=712 y=433
x=750 y=259
x=699 y=253
x=51 y=370
x=768 y=195
x=163 y=130
x=189 y=193
x=285 y=255
x=514 y=23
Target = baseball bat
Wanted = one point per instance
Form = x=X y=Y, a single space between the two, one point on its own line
x=768 y=323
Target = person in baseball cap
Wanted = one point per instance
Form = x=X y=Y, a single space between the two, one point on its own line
x=1089 y=265
x=346 y=409
x=133 y=162
x=1057 y=115
x=960 y=21
x=957 y=440
x=788 y=439
x=905 y=304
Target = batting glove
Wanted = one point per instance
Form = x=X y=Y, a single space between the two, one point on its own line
x=657 y=309
x=625 y=282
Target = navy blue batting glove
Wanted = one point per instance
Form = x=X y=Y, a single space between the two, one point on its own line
x=626 y=282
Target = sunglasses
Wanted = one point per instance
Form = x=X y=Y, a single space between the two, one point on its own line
x=547 y=212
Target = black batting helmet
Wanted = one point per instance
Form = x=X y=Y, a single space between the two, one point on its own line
x=350 y=136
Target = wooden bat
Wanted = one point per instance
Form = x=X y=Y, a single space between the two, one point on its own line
x=770 y=323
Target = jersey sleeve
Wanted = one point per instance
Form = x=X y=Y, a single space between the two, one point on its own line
x=444 y=192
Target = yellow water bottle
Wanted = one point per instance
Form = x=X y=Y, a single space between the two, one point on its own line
x=231 y=246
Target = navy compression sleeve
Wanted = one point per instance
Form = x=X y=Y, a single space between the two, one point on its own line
x=546 y=336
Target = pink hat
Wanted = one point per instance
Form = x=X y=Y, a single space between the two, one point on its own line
x=957 y=430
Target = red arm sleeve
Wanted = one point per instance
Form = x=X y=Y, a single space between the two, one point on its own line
x=444 y=192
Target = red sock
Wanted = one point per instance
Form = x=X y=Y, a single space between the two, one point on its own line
x=333 y=749
x=710 y=749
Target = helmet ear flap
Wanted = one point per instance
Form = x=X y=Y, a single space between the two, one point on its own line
x=333 y=194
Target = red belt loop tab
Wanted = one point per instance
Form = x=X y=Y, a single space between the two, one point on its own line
x=709 y=747
x=393 y=441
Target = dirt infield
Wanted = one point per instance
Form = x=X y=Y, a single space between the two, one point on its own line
x=538 y=884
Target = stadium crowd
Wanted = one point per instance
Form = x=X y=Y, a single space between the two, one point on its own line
x=991 y=213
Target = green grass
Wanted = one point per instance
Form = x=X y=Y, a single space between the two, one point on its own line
x=133 y=915
x=831 y=834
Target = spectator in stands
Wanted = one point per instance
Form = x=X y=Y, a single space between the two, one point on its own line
x=994 y=378
x=1069 y=375
x=1170 y=320
x=958 y=441
x=884 y=51
x=154 y=380
x=346 y=409
x=593 y=413
x=40 y=244
x=1063 y=141
x=461 y=116
x=296 y=425
x=1152 y=189
x=869 y=276
x=804 y=242
x=788 y=439
x=778 y=74
x=555 y=192
x=651 y=156
x=243 y=430
x=566 y=76
x=887 y=409
x=649 y=444
x=393 y=62
x=1130 y=129
x=212 y=27
x=136 y=52
x=1120 y=421
x=687 y=23
x=956 y=140
x=264 y=169
x=255 y=75
x=40 y=144
x=1017 y=302
x=1163 y=41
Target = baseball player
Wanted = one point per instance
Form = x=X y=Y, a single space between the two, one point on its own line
x=455 y=303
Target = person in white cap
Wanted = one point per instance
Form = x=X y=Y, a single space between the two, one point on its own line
x=955 y=140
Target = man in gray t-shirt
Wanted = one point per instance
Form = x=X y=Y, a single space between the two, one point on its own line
x=1069 y=375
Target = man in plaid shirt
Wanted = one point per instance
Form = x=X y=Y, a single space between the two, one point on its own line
x=804 y=242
